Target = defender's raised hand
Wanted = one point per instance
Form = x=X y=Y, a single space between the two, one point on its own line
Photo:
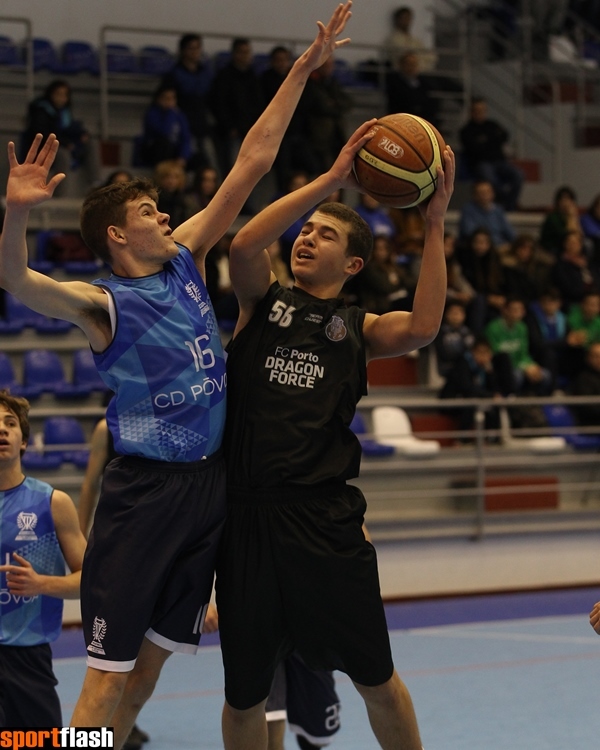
x=28 y=184
x=327 y=37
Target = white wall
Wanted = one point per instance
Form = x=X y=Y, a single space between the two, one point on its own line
x=82 y=19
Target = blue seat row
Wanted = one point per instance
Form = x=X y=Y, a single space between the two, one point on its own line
x=66 y=433
x=43 y=372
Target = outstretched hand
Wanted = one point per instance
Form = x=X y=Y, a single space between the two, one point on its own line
x=437 y=205
x=327 y=42
x=342 y=167
x=28 y=184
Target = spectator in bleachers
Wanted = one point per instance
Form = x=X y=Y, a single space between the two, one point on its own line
x=454 y=339
x=526 y=272
x=206 y=183
x=572 y=274
x=295 y=153
x=236 y=101
x=191 y=77
x=52 y=112
x=482 y=212
x=478 y=373
x=402 y=40
x=459 y=289
x=587 y=383
x=286 y=240
x=509 y=334
x=410 y=230
x=483 y=149
x=169 y=178
x=376 y=216
x=166 y=133
x=409 y=91
x=561 y=219
x=547 y=329
x=590 y=226
x=383 y=284
x=119 y=175
x=483 y=269
x=326 y=104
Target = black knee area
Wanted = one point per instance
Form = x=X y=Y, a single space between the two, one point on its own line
x=304 y=744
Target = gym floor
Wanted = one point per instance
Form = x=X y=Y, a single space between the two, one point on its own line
x=499 y=672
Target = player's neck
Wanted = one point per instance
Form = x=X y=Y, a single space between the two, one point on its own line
x=321 y=291
x=11 y=475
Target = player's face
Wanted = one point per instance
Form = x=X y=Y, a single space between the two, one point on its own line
x=319 y=253
x=147 y=230
x=11 y=436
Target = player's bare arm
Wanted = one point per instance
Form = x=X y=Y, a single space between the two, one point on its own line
x=397 y=333
x=28 y=186
x=260 y=146
x=21 y=577
x=249 y=263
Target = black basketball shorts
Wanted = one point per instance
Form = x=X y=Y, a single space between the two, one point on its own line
x=28 y=696
x=295 y=572
x=149 y=565
x=306 y=698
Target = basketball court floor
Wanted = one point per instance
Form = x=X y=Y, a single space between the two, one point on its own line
x=500 y=672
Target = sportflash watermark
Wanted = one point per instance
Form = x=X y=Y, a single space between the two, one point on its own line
x=17 y=738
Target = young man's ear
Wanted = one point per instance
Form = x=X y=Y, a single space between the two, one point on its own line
x=355 y=264
x=115 y=234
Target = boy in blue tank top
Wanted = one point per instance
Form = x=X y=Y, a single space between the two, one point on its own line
x=149 y=564
x=39 y=532
x=297 y=369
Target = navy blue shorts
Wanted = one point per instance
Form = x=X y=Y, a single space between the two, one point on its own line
x=149 y=565
x=295 y=572
x=28 y=696
x=306 y=698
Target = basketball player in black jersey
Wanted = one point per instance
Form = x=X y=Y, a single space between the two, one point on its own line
x=295 y=569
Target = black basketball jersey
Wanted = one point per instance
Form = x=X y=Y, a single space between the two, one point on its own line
x=295 y=374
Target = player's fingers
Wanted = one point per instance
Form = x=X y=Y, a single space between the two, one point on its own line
x=12 y=156
x=21 y=560
x=343 y=42
x=48 y=151
x=33 y=149
x=334 y=20
x=55 y=181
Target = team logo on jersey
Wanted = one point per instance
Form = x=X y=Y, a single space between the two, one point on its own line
x=98 y=633
x=27 y=523
x=336 y=329
x=194 y=291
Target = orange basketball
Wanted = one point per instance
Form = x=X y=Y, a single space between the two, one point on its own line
x=398 y=166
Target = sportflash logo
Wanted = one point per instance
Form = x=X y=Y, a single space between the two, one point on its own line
x=17 y=738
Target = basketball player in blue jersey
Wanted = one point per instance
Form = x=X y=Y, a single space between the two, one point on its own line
x=148 y=569
x=295 y=570
x=39 y=531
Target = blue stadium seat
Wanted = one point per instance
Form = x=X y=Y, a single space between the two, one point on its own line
x=370 y=447
x=155 y=61
x=561 y=416
x=8 y=380
x=13 y=322
x=65 y=250
x=9 y=53
x=120 y=58
x=66 y=431
x=43 y=372
x=85 y=373
x=221 y=59
x=19 y=316
x=261 y=61
x=79 y=57
x=45 y=56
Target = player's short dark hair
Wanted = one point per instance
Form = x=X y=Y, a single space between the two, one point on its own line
x=360 y=237
x=20 y=408
x=107 y=206
x=239 y=41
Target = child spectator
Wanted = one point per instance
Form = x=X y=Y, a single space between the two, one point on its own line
x=572 y=273
x=376 y=216
x=526 y=273
x=166 y=133
x=590 y=226
x=459 y=289
x=547 y=329
x=383 y=284
x=206 y=184
x=508 y=334
x=454 y=339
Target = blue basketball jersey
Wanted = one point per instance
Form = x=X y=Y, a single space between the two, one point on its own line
x=27 y=528
x=165 y=364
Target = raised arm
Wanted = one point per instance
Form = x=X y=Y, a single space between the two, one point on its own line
x=249 y=263
x=24 y=580
x=396 y=333
x=27 y=187
x=260 y=146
